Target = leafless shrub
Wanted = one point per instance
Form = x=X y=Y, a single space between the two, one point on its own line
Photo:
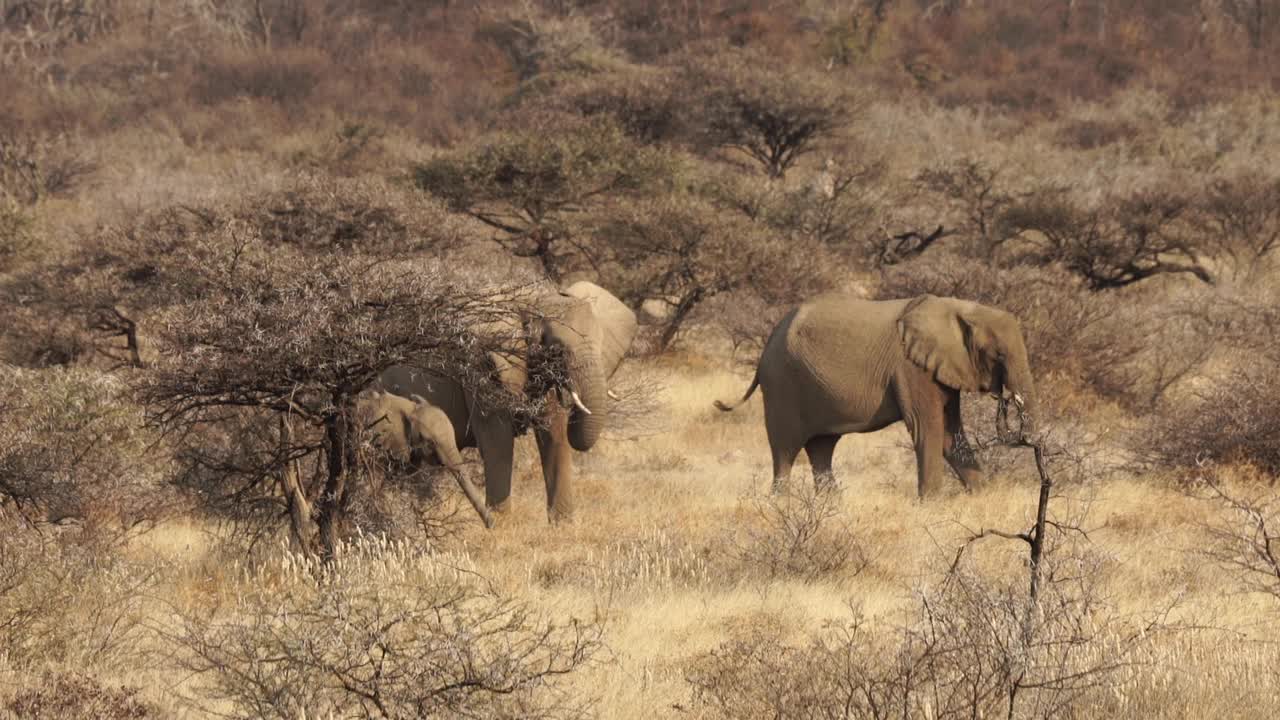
x=72 y=450
x=739 y=100
x=296 y=337
x=1243 y=214
x=746 y=318
x=78 y=696
x=34 y=167
x=385 y=630
x=1244 y=537
x=1092 y=134
x=971 y=647
x=1117 y=242
x=64 y=601
x=15 y=234
x=640 y=100
x=529 y=184
x=800 y=533
x=285 y=77
x=975 y=197
x=1228 y=419
x=683 y=251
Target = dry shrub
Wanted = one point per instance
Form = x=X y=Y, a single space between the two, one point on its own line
x=385 y=630
x=72 y=449
x=971 y=646
x=283 y=77
x=1229 y=419
x=799 y=533
x=64 y=601
x=1242 y=535
x=34 y=167
x=77 y=696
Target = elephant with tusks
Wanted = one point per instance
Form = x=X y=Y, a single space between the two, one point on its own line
x=840 y=364
x=580 y=337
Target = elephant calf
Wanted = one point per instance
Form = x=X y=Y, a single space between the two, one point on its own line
x=414 y=431
x=839 y=364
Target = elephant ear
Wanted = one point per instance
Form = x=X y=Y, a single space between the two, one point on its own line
x=616 y=321
x=934 y=337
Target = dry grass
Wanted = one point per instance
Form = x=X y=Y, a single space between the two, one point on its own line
x=652 y=556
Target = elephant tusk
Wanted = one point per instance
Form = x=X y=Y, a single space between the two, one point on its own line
x=613 y=395
x=1017 y=400
x=577 y=401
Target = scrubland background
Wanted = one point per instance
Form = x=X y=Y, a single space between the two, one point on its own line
x=193 y=192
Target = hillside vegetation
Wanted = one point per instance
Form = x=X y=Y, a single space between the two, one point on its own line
x=216 y=212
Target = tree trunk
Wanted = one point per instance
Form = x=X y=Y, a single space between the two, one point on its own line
x=300 y=521
x=333 y=503
x=686 y=306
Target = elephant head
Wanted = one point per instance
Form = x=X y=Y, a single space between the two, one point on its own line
x=584 y=333
x=416 y=432
x=971 y=347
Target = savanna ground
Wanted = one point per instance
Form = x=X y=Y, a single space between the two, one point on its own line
x=219 y=219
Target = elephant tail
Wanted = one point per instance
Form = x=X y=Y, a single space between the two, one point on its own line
x=755 y=383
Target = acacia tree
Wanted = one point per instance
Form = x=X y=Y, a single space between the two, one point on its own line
x=529 y=184
x=1117 y=242
x=741 y=100
x=682 y=251
x=283 y=342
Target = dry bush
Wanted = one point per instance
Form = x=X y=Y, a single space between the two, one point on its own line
x=1117 y=241
x=739 y=100
x=72 y=449
x=971 y=646
x=641 y=100
x=34 y=167
x=1243 y=214
x=385 y=630
x=529 y=184
x=1228 y=419
x=77 y=696
x=100 y=294
x=285 y=78
x=682 y=250
x=65 y=602
x=800 y=533
x=296 y=337
x=1244 y=535
x=15 y=235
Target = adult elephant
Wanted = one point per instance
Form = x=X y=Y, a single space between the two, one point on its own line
x=839 y=364
x=579 y=338
x=415 y=432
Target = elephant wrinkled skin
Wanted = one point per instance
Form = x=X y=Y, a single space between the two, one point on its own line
x=839 y=364
x=584 y=331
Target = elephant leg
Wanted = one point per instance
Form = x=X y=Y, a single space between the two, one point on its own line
x=784 y=456
x=956 y=448
x=557 y=462
x=496 y=441
x=928 y=434
x=820 y=450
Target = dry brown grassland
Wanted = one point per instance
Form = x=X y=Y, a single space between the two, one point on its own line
x=1107 y=170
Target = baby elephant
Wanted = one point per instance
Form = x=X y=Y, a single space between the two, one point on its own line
x=418 y=433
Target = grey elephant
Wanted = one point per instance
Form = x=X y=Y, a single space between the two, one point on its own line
x=584 y=332
x=417 y=433
x=839 y=364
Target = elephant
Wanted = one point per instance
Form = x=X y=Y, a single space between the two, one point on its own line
x=840 y=364
x=415 y=432
x=579 y=337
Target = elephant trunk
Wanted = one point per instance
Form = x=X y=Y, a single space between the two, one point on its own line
x=1023 y=389
x=586 y=378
